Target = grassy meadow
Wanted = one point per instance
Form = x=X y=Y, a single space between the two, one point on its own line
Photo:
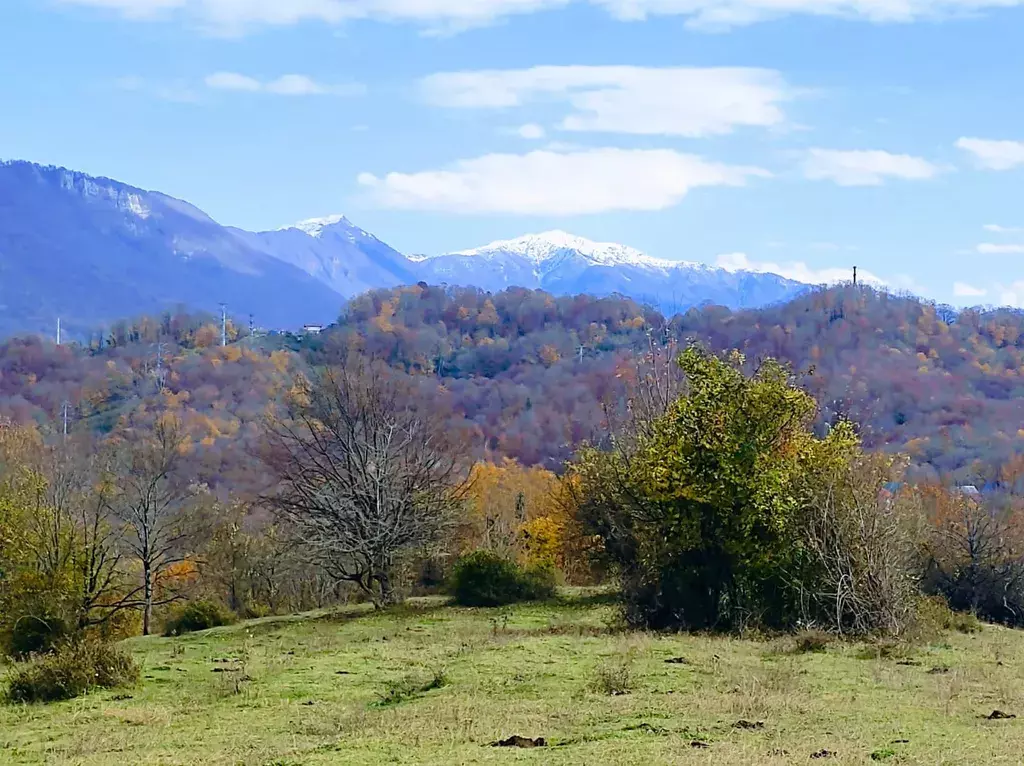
x=432 y=684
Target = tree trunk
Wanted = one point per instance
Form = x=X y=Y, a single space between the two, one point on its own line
x=147 y=609
x=388 y=595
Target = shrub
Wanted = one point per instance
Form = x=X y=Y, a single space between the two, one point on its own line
x=75 y=668
x=197 y=615
x=934 y=617
x=811 y=641
x=36 y=634
x=615 y=677
x=862 y=567
x=484 y=578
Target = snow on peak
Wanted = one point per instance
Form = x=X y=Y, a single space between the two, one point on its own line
x=314 y=227
x=539 y=248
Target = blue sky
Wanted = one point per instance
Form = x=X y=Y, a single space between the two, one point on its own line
x=799 y=136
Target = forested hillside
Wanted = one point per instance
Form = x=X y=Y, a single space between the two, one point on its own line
x=531 y=375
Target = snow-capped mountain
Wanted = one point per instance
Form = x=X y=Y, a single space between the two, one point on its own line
x=92 y=250
x=565 y=264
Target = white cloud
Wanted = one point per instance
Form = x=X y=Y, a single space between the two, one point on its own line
x=532 y=132
x=865 y=167
x=233 y=81
x=551 y=183
x=989 y=248
x=681 y=101
x=994 y=155
x=235 y=16
x=1012 y=294
x=997 y=229
x=457 y=14
x=796 y=270
x=287 y=85
x=964 y=290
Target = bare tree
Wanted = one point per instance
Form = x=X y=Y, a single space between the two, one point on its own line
x=862 y=540
x=83 y=538
x=153 y=503
x=366 y=473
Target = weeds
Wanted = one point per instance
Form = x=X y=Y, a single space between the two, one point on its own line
x=72 y=670
x=615 y=677
x=811 y=641
x=409 y=687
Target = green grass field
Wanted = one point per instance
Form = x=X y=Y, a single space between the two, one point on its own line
x=432 y=684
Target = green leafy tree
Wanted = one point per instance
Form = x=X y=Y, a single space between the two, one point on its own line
x=698 y=508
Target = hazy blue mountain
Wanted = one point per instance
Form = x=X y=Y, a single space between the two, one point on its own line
x=336 y=252
x=564 y=264
x=91 y=250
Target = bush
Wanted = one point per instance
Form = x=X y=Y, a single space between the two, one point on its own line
x=74 y=669
x=484 y=578
x=197 y=615
x=811 y=641
x=36 y=634
x=934 y=617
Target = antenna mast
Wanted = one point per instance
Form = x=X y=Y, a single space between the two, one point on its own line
x=58 y=331
x=854 y=276
x=223 y=324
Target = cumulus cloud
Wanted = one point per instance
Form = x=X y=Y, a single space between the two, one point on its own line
x=990 y=248
x=796 y=270
x=997 y=229
x=556 y=183
x=992 y=154
x=531 y=132
x=457 y=14
x=287 y=85
x=865 y=167
x=680 y=101
x=964 y=290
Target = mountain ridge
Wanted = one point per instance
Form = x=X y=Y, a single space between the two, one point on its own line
x=91 y=250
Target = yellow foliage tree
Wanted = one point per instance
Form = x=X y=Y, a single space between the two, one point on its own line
x=522 y=512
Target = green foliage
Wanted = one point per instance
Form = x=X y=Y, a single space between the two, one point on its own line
x=699 y=511
x=197 y=615
x=74 y=669
x=934 y=617
x=487 y=579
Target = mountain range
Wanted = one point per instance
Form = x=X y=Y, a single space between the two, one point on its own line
x=92 y=250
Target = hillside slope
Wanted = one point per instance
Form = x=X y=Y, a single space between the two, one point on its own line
x=532 y=375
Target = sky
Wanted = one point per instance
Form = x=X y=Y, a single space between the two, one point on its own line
x=802 y=137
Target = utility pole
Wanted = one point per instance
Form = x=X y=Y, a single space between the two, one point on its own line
x=58 y=331
x=854 y=276
x=65 y=407
x=160 y=364
x=223 y=324
x=252 y=325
